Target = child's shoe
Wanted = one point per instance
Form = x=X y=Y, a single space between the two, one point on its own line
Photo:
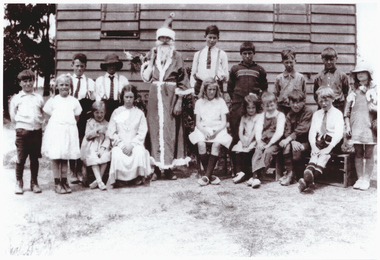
x=289 y=178
x=256 y=183
x=65 y=185
x=302 y=185
x=239 y=178
x=34 y=187
x=203 y=181
x=308 y=176
x=358 y=184
x=364 y=185
x=58 y=188
x=214 y=180
x=19 y=189
x=102 y=186
x=249 y=182
x=94 y=185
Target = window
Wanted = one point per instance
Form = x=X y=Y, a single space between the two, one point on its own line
x=120 y=20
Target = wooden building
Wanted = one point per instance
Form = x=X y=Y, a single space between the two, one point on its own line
x=99 y=29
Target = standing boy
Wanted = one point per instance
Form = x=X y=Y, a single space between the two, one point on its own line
x=245 y=77
x=325 y=135
x=84 y=91
x=295 y=145
x=26 y=112
x=333 y=78
x=209 y=62
x=287 y=81
x=109 y=86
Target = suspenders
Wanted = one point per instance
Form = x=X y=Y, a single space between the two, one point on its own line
x=217 y=62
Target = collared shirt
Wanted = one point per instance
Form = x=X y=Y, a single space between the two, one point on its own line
x=334 y=79
x=245 y=79
x=86 y=84
x=26 y=110
x=103 y=86
x=298 y=124
x=285 y=83
x=219 y=67
x=334 y=125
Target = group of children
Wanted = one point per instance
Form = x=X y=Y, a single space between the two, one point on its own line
x=262 y=124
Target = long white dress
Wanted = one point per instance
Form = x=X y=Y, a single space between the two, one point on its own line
x=61 y=139
x=128 y=126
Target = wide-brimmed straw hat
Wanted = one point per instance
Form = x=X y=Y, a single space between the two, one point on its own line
x=363 y=66
x=111 y=59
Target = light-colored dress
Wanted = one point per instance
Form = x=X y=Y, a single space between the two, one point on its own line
x=95 y=138
x=128 y=126
x=210 y=113
x=61 y=140
x=247 y=124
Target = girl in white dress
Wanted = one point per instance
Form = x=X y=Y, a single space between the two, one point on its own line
x=245 y=147
x=127 y=130
x=95 y=150
x=61 y=140
x=210 y=110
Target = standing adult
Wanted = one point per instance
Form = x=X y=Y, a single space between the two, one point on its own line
x=165 y=70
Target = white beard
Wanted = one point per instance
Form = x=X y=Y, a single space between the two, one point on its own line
x=164 y=51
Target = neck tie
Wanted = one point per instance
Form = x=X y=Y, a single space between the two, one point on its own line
x=111 y=88
x=209 y=58
x=78 y=88
x=324 y=125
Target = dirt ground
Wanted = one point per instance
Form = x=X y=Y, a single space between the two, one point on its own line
x=179 y=218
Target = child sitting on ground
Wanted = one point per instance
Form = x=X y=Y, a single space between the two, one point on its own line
x=360 y=115
x=210 y=110
x=287 y=81
x=325 y=135
x=26 y=111
x=61 y=141
x=245 y=147
x=269 y=130
x=295 y=145
x=95 y=151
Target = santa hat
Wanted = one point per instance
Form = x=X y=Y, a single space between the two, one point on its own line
x=166 y=29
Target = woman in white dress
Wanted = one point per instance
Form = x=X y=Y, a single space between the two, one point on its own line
x=127 y=130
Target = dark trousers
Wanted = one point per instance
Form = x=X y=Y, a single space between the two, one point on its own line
x=28 y=143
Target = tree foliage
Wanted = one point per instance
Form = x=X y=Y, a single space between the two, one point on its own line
x=27 y=44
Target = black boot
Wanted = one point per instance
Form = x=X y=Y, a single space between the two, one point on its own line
x=204 y=160
x=211 y=165
x=58 y=187
x=19 y=189
x=65 y=185
x=33 y=180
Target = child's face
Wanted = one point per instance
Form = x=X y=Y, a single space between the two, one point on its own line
x=64 y=88
x=325 y=102
x=78 y=67
x=111 y=69
x=329 y=62
x=211 y=92
x=289 y=64
x=99 y=115
x=362 y=76
x=247 y=56
x=269 y=106
x=251 y=109
x=296 y=106
x=27 y=85
x=211 y=39
x=128 y=99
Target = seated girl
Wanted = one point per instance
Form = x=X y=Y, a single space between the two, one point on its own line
x=127 y=130
x=245 y=147
x=95 y=151
x=210 y=110
x=269 y=130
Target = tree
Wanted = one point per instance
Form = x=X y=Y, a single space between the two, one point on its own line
x=27 y=44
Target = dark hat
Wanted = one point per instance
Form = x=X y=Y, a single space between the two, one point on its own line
x=111 y=59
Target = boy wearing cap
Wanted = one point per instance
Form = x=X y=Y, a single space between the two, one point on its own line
x=333 y=78
x=209 y=62
x=245 y=77
x=26 y=111
x=169 y=83
x=83 y=90
x=109 y=86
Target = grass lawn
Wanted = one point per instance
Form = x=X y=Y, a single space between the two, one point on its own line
x=179 y=218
